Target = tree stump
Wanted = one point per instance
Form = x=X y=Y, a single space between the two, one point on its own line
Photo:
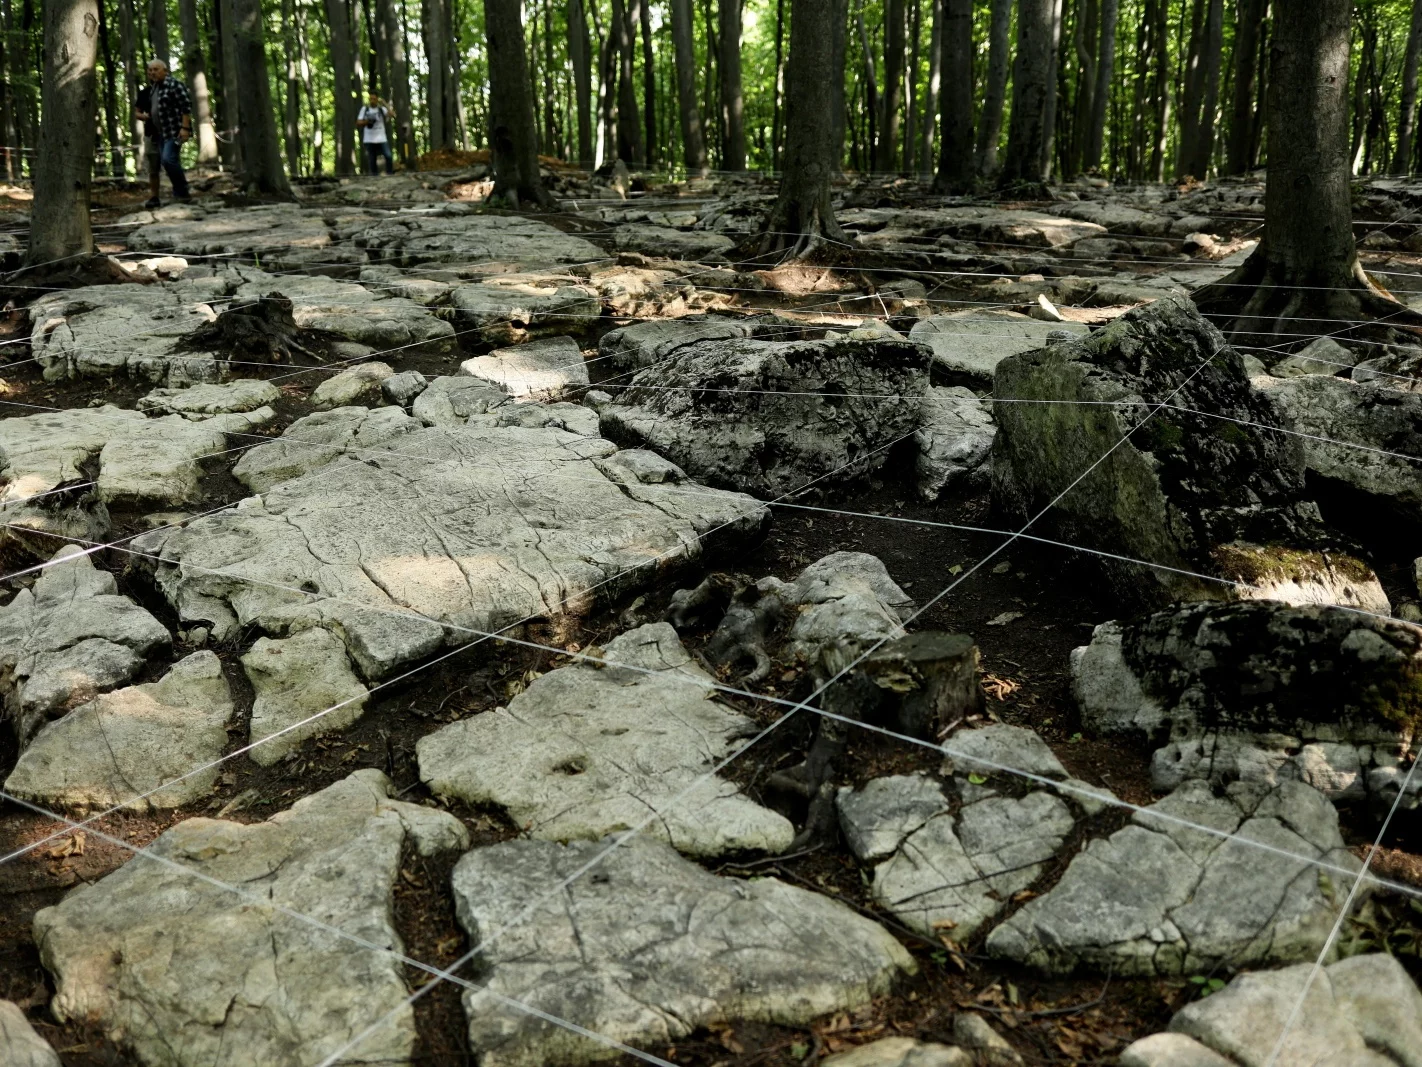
x=928 y=679
x=255 y=329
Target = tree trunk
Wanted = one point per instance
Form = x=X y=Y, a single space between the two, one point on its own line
x=1211 y=58
x=128 y=45
x=291 y=119
x=886 y=159
x=956 y=167
x=629 y=127
x=1085 y=29
x=995 y=92
x=7 y=94
x=261 y=152
x=580 y=58
x=802 y=220
x=1105 y=69
x=1191 y=92
x=1054 y=90
x=158 y=30
x=231 y=80
x=436 y=35
x=1160 y=51
x=512 y=129
x=839 y=109
x=308 y=89
x=607 y=96
x=915 y=18
x=64 y=157
x=111 y=122
x=649 y=81
x=693 y=141
x=1304 y=277
x=871 y=93
x=935 y=88
x=1407 y=120
x=338 y=38
x=733 y=129
x=195 y=73
x=1027 y=135
x=397 y=74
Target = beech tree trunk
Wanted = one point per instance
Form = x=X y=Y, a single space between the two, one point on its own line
x=158 y=30
x=802 y=220
x=630 y=147
x=436 y=38
x=231 y=80
x=915 y=18
x=512 y=130
x=1213 y=56
x=1407 y=120
x=693 y=140
x=1304 y=277
x=291 y=119
x=995 y=92
x=111 y=121
x=580 y=56
x=1101 y=96
x=1190 y=92
x=886 y=156
x=956 y=166
x=733 y=129
x=1032 y=87
x=933 y=98
x=262 y=173
x=128 y=46
x=397 y=74
x=338 y=35
x=195 y=74
x=649 y=83
x=64 y=156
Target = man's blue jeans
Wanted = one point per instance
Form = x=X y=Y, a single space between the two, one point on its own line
x=373 y=151
x=171 y=157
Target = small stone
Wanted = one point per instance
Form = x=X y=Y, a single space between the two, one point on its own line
x=539 y=370
x=999 y=749
x=1322 y=356
x=974 y=1032
x=401 y=389
x=900 y=1052
x=877 y=818
x=1171 y=1050
x=451 y=400
x=20 y=1046
x=297 y=679
x=360 y=384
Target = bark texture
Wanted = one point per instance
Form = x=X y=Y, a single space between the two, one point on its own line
x=693 y=139
x=580 y=56
x=733 y=128
x=1032 y=92
x=1407 y=119
x=995 y=92
x=262 y=173
x=338 y=31
x=195 y=73
x=512 y=129
x=956 y=165
x=64 y=160
x=1101 y=95
x=892 y=98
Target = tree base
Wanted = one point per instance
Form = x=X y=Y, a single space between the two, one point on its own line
x=261 y=329
x=30 y=283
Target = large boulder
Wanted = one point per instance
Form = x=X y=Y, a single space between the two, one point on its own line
x=770 y=417
x=449 y=534
x=1261 y=691
x=163 y=959
x=590 y=749
x=642 y=344
x=648 y=947
x=1103 y=435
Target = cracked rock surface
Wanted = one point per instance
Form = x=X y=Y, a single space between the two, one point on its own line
x=1159 y=897
x=645 y=343
x=968 y=345
x=181 y=971
x=130 y=742
x=315 y=440
x=476 y=527
x=954 y=441
x=1360 y=1012
x=67 y=639
x=510 y=309
x=649 y=947
x=203 y=401
x=768 y=417
x=295 y=680
x=497 y=242
x=539 y=370
x=588 y=750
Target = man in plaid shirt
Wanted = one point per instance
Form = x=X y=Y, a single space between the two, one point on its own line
x=167 y=113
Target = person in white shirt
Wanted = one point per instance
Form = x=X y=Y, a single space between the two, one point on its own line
x=373 y=121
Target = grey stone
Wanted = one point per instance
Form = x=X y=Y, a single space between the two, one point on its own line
x=511 y=309
x=643 y=344
x=501 y=242
x=989 y=749
x=672 y=244
x=355 y=385
x=402 y=389
x=1180 y=492
x=450 y=400
x=876 y=819
x=1160 y=897
x=250 y=232
x=68 y=639
x=296 y=679
x=412 y=284
x=974 y=1032
x=1321 y=356
x=1376 y=995
x=846 y=596
x=142 y=742
x=205 y=400
x=20 y=1046
x=769 y=417
x=1171 y=1050
x=459 y=532
x=647 y=948
x=573 y=418
x=592 y=749
x=539 y=370
x=968 y=345
x=163 y=960
x=900 y=1052
x=954 y=441
x=316 y=440
x=643 y=292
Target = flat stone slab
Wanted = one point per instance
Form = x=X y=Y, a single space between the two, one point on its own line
x=161 y=959
x=671 y=243
x=315 y=440
x=500 y=242
x=968 y=345
x=67 y=639
x=1161 y=898
x=254 y=231
x=588 y=750
x=539 y=370
x=197 y=402
x=1364 y=1012
x=647 y=947
x=131 y=742
x=645 y=343
x=513 y=308
x=901 y=1052
x=477 y=526
x=297 y=679
x=361 y=384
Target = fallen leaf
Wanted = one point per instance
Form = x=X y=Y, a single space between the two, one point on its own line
x=69 y=846
x=1005 y=618
x=999 y=688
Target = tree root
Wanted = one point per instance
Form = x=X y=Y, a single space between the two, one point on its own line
x=30 y=283
x=260 y=329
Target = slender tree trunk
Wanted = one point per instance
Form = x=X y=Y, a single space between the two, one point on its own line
x=935 y=88
x=955 y=161
x=995 y=92
x=776 y=128
x=915 y=18
x=291 y=118
x=693 y=141
x=308 y=89
x=158 y=30
x=128 y=45
x=580 y=56
x=733 y=130
x=261 y=151
x=871 y=93
x=607 y=96
x=1193 y=84
x=1160 y=50
x=338 y=39
x=111 y=122
x=1211 y=58
x=7 y=93
x=839 y=109
x=1027 y=134
x=436 y=35
x=64 y=157
x=803 y=217
x=1054 y=90
x=512 y=129
x=195 y=74
x=1085 y=29
x=1105 y=69
x=1407 y=119
x=629 y=127
x=232 y=86
x=649 y=81
x=892 y=99
x=397 y=73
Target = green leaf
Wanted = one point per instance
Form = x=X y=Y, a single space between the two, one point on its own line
x=799 y=1050
x=976 y=779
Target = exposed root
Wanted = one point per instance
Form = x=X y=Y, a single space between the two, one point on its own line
x=261 y=329
x=29 y=283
